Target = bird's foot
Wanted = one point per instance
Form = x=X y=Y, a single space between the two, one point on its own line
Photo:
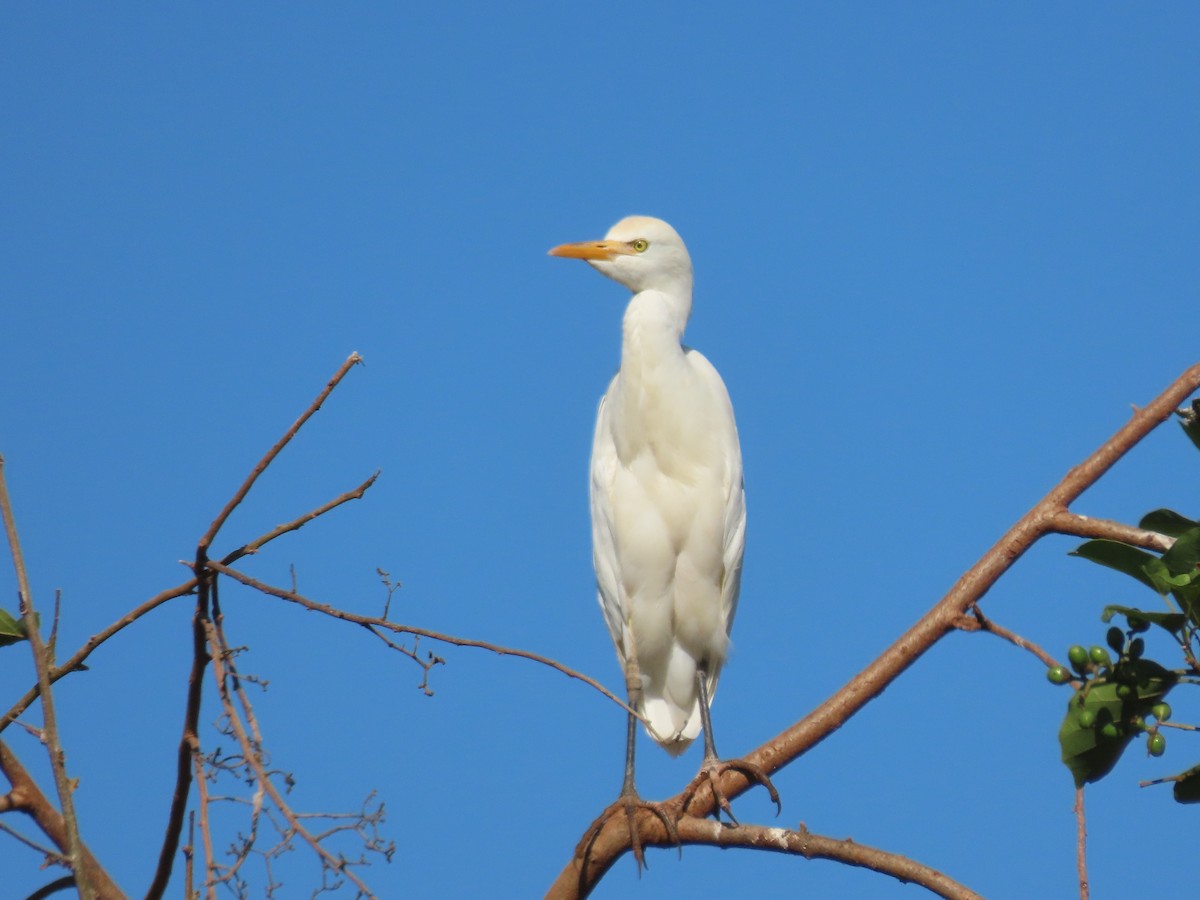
x=710 y=773
x=631 y=804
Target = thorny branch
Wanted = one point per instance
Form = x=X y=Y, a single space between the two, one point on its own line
x=1049 y=516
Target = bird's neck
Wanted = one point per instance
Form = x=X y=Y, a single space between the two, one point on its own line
x=652 y=330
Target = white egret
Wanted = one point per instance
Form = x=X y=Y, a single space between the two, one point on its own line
x=668 y=505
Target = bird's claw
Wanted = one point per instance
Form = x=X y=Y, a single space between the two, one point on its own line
x=710 y=772
x=630 y=803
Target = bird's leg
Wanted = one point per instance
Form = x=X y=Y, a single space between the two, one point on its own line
x=712 y=766
x=629 y=800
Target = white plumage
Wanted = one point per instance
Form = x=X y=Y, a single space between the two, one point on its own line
x=668 y=506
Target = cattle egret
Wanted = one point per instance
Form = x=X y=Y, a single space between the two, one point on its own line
x=668 y=506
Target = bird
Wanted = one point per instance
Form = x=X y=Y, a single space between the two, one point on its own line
x=668 y=507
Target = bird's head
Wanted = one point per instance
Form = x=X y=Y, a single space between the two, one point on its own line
x=640 y=252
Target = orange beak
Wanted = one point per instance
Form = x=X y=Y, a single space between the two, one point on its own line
x=592 y=250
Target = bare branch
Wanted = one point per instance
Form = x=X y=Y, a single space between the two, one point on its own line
x=25 y=796
x=1044 y=518
x=42 y=665
x=206 y=541
x=76 y=662
x=373 y=622
x=977 y=621
x=1081 y=845
x=51 y=856
x=1066 y=522
x=59 y=884
x=804 y=843
x=188 y=742
x=223 y=673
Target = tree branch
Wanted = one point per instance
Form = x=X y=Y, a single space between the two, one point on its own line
x=41 y=664
x=577 y=879
x=1066 y=522
x=76 y=661
x=25 y=796
x=252 y=754
x=804 y=843
x=210 y=535
x=372 y=622
x=977 y=621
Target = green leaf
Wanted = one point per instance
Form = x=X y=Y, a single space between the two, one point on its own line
x=11 y=630
x=1183 y=561
x=1168 y=522
x=1121 y=557
x=1190 y=421
x=1164 y=579
x=1088 y=751
x=1171 y=621
x=1184 y=555
x=1187 y=787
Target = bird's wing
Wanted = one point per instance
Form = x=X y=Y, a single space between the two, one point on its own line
x=604 y=546
x=724 y=430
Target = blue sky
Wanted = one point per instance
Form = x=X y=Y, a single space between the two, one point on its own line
x=940 y=249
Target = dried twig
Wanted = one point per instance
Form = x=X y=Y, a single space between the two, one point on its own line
x=42 y=664
x=1081 y=845
x=76 y=661
x=251 y=747
x=200 y=620
x=25 y=796
x=372 y=622
x=240 y=494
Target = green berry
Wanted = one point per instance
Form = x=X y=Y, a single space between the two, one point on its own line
x=1058 y=675
x=1125 y=691
x=1110 y=730
x=1156 y=744
x=1087 y=718
x=1137 y=723
x=1078 y=657
x=1161 y=711
x=1115 y=639
x=1099 y=656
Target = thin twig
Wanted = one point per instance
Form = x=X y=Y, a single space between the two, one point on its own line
x=977 y=621
x=202 y=804
x=188 y=740
x=189 y=859
x=51 y=856
x=206 y=541
x=76 y=661
x=25 y=796
x=252 y=755
x=1081 y=844
x=46 y=890
x=42 y=665
x=371 y=622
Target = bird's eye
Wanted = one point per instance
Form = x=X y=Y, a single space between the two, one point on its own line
x=640 y=245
